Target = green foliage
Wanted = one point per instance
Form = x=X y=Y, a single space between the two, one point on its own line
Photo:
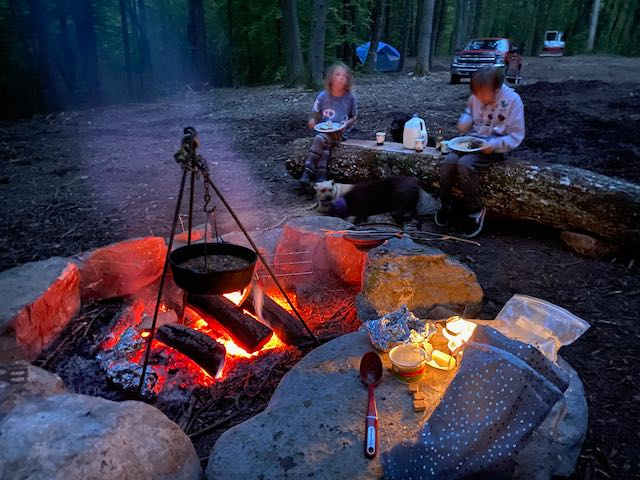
x=245 y=41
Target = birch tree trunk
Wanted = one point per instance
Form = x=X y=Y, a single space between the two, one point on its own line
x=594 y=25
x=293 y=51
x=318 y=32
x=423 y=59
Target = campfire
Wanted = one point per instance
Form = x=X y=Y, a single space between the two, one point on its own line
x=212 y=336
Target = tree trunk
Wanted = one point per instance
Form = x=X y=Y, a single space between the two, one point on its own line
x=423 y=59
x=145 y=50
x=376 y=35
x=461 y=24
x=83 y=16
x=406 y=21
x=560 y=196
x=293 y=51
x=197 y=36
x=316 y=50
x=417 y=21
x=532 y=28
x=46 y=81
x=68 y=60
x=126 y=48
x=594 y=25
x=438 y=17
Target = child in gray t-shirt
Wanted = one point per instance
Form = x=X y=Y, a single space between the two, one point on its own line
x=335 y=103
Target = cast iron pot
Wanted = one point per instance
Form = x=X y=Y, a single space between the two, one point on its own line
x=215 y=282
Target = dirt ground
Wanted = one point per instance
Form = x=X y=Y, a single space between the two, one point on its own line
x=79 y=179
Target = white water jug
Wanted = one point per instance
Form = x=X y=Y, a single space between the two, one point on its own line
x=413 y=129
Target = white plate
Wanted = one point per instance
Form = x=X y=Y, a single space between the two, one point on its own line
x=459 y=144
x=328 y=127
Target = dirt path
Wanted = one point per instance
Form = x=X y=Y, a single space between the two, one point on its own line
x=77 y=180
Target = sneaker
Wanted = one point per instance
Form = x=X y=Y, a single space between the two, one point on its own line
x=442 y=216
x=474 y=224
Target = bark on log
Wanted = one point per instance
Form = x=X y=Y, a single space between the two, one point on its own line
x=200 y=348
x=560 y=196
x=246 y=332
x=287 y=327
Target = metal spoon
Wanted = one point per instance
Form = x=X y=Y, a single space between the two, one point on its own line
x=370 y=374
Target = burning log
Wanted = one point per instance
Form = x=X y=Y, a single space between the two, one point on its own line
x=560 y=196
x=199 y=347
x=285 y=325
x=248 y=333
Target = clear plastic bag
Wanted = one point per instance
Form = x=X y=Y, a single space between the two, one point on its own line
x=539 y=323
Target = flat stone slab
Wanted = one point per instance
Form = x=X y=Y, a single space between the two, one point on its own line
x=314 y=424
x=121 y=268
x=38 y=300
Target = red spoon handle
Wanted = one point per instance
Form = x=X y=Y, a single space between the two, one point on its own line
x=371 y=427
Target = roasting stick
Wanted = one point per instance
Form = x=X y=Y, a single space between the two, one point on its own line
x=412 y=235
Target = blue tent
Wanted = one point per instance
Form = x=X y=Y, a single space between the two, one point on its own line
x=388 y=56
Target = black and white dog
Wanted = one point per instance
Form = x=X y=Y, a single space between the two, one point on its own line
x=400 y=196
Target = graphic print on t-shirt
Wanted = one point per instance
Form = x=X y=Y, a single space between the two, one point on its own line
x=328 y=114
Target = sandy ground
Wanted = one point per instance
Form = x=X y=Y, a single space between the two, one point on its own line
x=80 y=179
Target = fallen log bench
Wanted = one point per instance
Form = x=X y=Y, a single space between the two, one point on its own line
x=560 y=196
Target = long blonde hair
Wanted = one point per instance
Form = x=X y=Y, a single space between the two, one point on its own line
x=331 y=72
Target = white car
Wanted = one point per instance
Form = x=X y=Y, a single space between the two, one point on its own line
x=553 y=44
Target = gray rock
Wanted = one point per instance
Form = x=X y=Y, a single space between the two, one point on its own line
x=314 y=424
x=402 y=272
x=38 y=300
x=588 y=246
x=68 y=436
x=554 y=447
x=20 y=381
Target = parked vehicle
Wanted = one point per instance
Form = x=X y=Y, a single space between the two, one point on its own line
x=553 y=44
x=481 y=52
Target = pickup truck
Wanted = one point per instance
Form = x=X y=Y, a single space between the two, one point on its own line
x=481 y=52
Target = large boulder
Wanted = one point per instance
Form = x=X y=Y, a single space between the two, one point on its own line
x=314 y=424
x=66 y=437
x=121 y=268
x=402 y=272
x=38 y=300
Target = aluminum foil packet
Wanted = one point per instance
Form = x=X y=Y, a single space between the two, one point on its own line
x=397 y=327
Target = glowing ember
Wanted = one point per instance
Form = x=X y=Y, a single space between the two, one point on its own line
x=232 y=348
x=235 y=297
x=171 y=366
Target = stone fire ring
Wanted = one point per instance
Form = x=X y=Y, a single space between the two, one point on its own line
x=314 y=424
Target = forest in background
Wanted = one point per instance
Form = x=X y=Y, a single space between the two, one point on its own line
x=59 y=54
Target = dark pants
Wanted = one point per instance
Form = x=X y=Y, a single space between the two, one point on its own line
x=463 y=171
x=319 y=153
